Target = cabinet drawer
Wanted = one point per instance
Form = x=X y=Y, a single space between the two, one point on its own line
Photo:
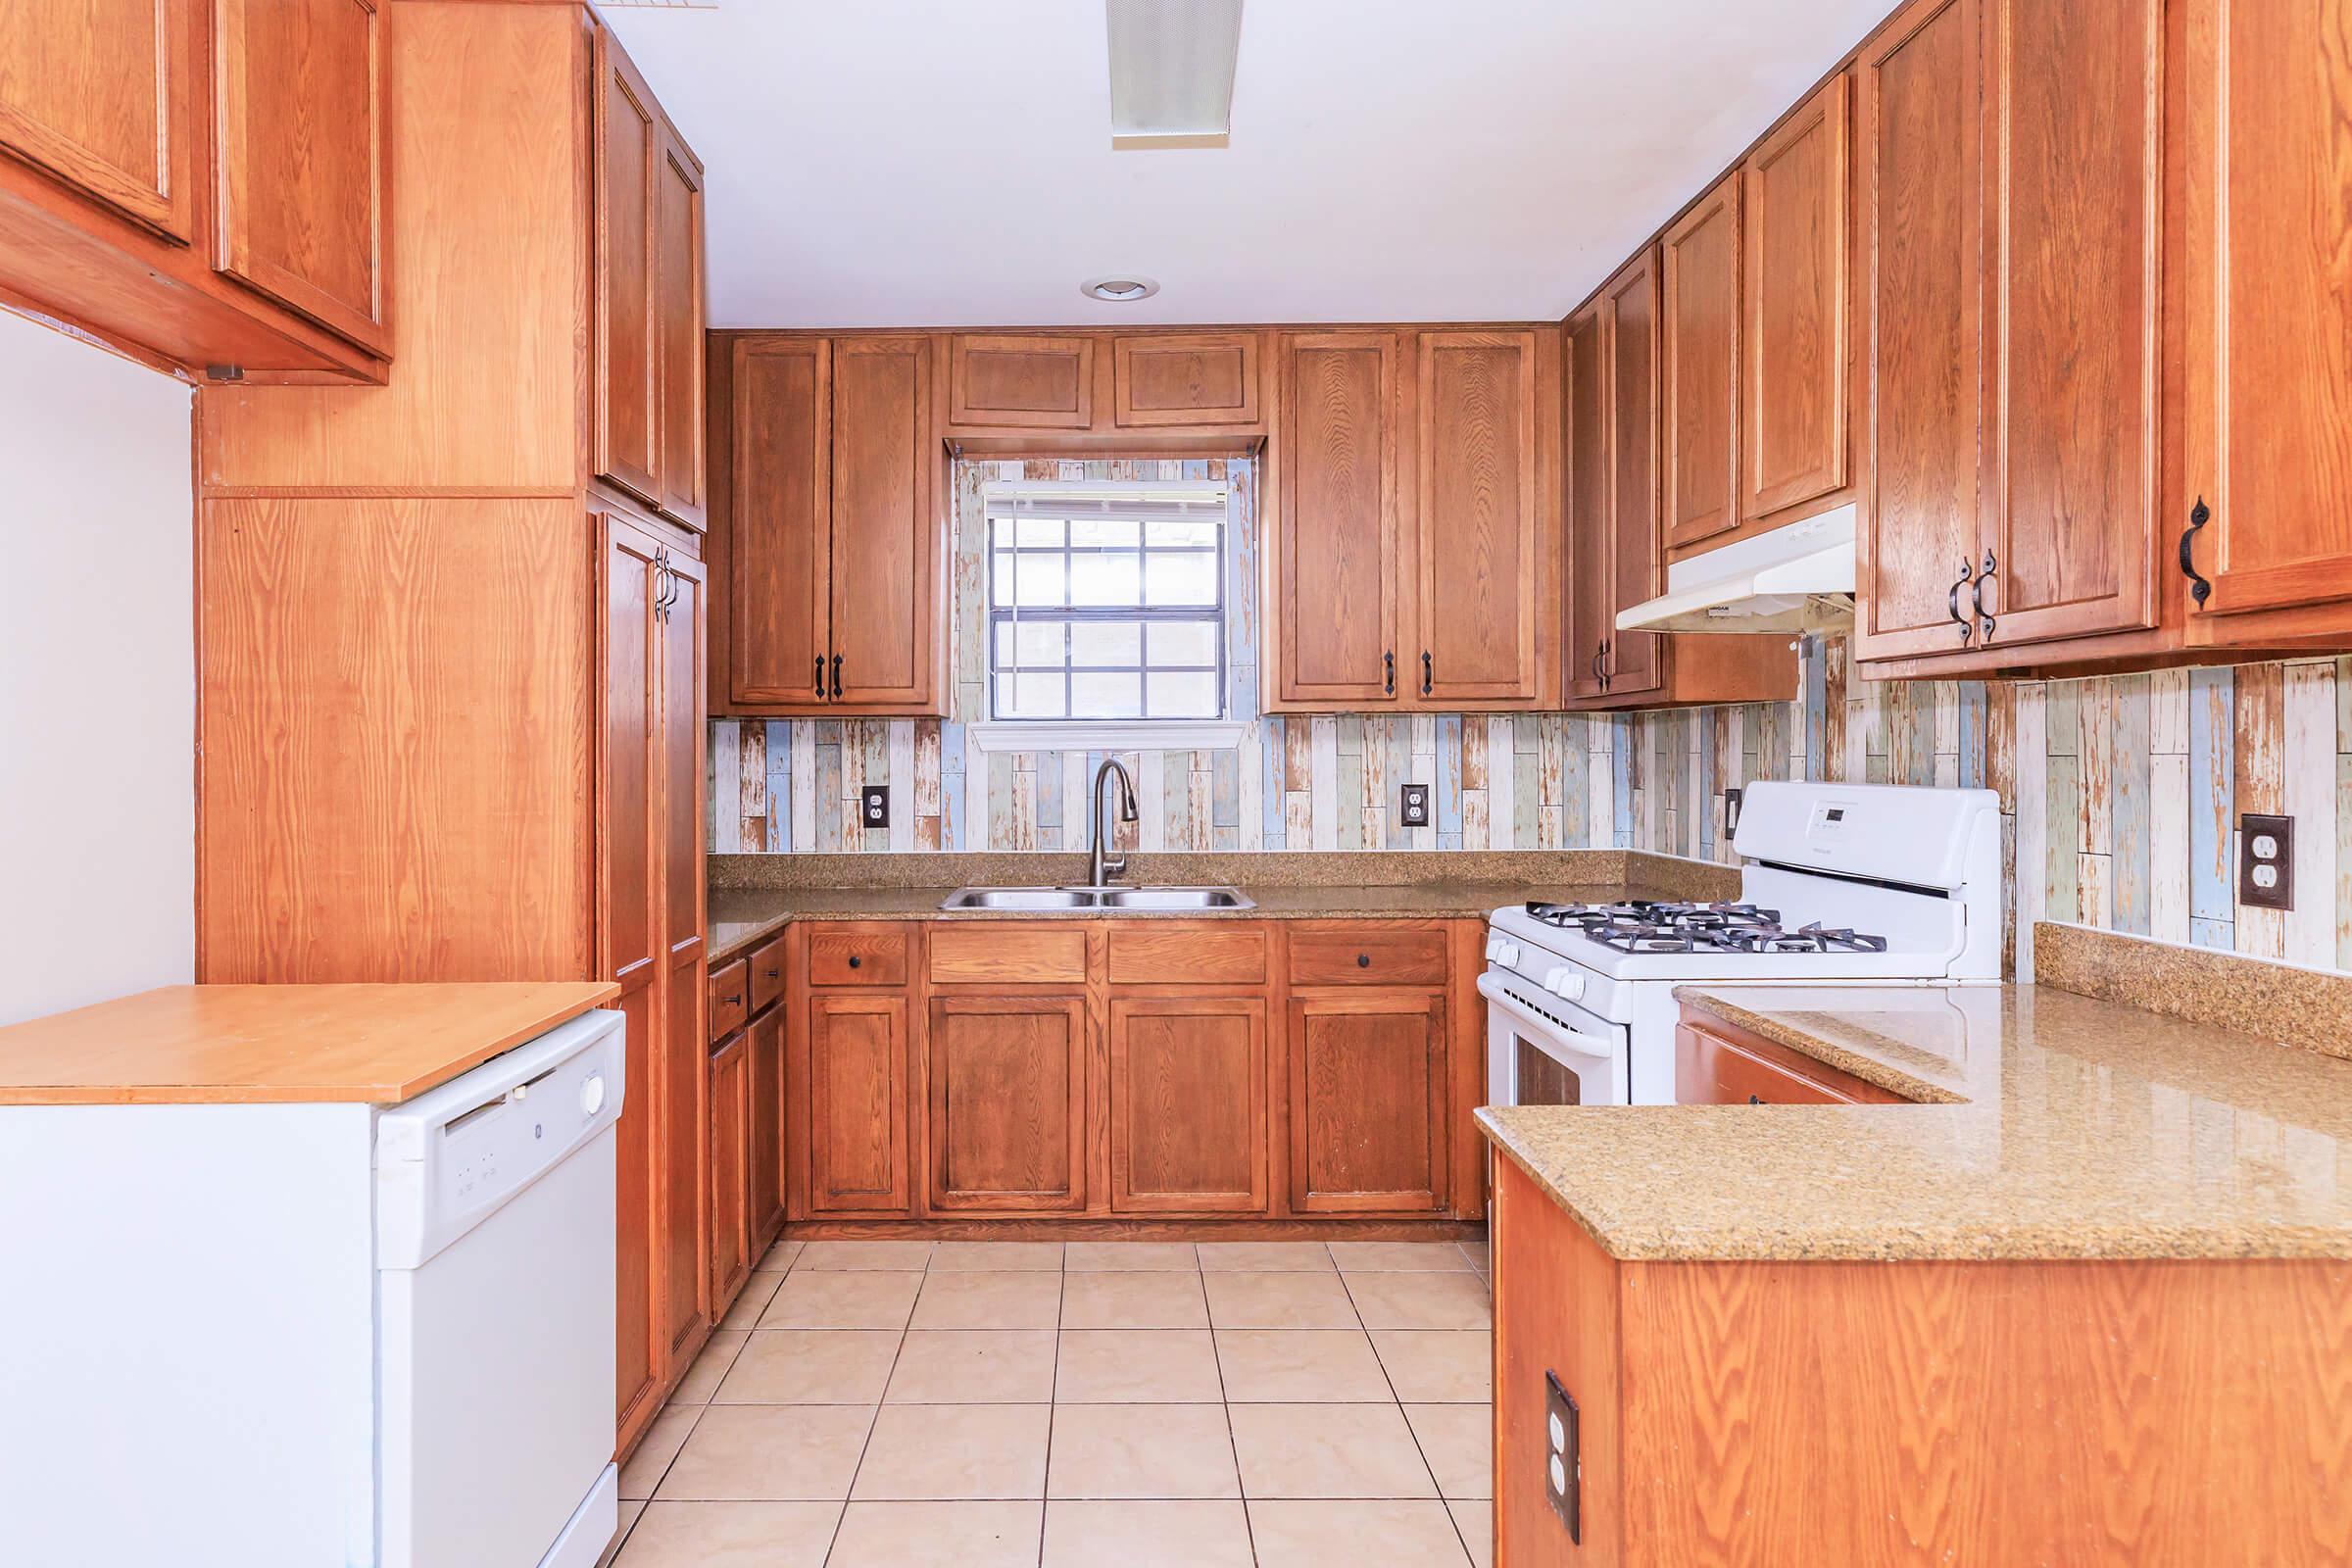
x=730 y=998
x=995 y=953
x=767 y=972
x=857 y=956
x=1348 y=954
x=1178 y=952
x=1716 y=1069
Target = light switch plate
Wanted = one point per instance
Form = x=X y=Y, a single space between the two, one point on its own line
x=1412 y=807
x=1731 y=811
x=2266 y=862
x=873 y=809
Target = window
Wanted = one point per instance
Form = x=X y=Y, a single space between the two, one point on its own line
x=1106 y=601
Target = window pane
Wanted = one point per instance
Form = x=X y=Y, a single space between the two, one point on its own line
x=1039 y=643
x=1118 y=533
x=1035 y=695
x=1106 y=642
x=1106 y=580
x=1037 y=532
x=1190 y=578
x=999 y=578
x=1184 y=642
x=1040 y=581
x=1184 y=695
x=1198 y=535
x=1106 y=696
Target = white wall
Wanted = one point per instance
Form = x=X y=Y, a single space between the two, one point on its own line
x=97 y=675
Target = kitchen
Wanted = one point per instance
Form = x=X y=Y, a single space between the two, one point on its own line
x=758 y=864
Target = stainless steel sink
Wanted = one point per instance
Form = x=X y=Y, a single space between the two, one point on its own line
x=1110 y=899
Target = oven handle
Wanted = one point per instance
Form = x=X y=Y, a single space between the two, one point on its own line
x=1554 y=1035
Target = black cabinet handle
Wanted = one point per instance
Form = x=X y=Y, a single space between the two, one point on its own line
x=1388 y=662
x=1603 y=656
x=1952 y=603
x=1364 y=960
x=735 y=1001
x=821 y=677
x=1977 y=595
x=2199 y=517
x=772 y=972
x=855 y=960
x=837 y=677
x=1427 y=666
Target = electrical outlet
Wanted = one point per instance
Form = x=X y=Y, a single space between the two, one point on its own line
x=2266 y=862
x=1412 y=809
x=874 y=810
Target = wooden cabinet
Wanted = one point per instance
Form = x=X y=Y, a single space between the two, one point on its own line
x=201 y=185
x=1631 y=663
x=1415 y=525
x=1193 y=379
x=1188 y=1104
x=1716 y=1064
x=1005 y=1128
x=763 y=1166
x=1035 y=383
x=1367 y=1110
x=649 y=293
x=836 y=527
x=1591 y=590
x=854 y=1104
x=1114 y=394
x=1700 y=373
x=729 y=1192
x=1795 y=344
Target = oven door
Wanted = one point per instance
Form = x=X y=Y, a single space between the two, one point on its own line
x=1542 y=1050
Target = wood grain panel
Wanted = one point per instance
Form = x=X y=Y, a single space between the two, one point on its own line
x=1188 y=1104
x=1590 y=596
x=1337 y=533
x=1701 y=371
x=1000 y=953
x=1347 y=952
x=1729 y=1067
x=1006 y=1098
x=888 y=530
x=1040 y=383
x=1481 y=556
x=321 y=775
x=99 y=94
x=1199 y=378
x=299 y=88
x=857 y=1087
x=859 y=955
x=764 y=1171
x=627 y=370
x=729 y=1196
x=1182 y=953
x=1635 y=660
x=778 y=544
x=767 y=963
x=1367 y=1114
x=730 y=988
x=1795 y=191
x=681 y=1155
x=677 y=281
x=641 y=1363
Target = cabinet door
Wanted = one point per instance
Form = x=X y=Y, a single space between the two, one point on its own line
x=1918 y=536
x=1701 y=255
x=1480 y=520
x=885 y=525
x=764 y=1174
x=679 y=622
x=1368 y=1102
x=1637 y=660
x=1592 y=600
x=1188 y=1104
x=730 y=1098
x=99 y=94
x=856 y=1103
x=1795 y=278
x=2074 y=133
x=628 y=394
x=678 y=320
x=628 y=777
x=1191 y=378
x=300 y=116
x=2269 y=269
x=1032 y=383
x=1337 y=527
x=777 y=545
x=1006 y=1104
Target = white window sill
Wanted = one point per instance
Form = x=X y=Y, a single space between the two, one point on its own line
x=1108 y=735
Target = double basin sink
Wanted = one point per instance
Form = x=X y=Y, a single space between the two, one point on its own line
x=1111 y=900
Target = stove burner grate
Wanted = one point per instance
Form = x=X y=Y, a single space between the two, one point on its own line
x=1654 y=926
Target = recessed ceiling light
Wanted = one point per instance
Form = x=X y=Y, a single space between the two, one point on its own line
x=1119 y=290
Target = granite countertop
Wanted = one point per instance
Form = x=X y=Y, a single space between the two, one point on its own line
x=740 y=917
x=2056 y=1126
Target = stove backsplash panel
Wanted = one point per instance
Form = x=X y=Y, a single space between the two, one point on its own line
x=2120 y=795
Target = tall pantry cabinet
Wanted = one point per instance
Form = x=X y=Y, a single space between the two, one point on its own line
x=451 y=629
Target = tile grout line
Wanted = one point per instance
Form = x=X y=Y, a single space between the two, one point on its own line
x=1045 y=1482
x=1445 y=1502
x=841 y=1518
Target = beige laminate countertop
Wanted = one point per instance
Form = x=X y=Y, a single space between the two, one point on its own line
x=250 y=1045
x=2061 y=1127
x=740 y=917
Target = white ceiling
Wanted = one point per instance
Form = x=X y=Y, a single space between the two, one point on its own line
x=934 y=163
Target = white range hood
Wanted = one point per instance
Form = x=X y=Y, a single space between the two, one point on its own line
x=1797 y=578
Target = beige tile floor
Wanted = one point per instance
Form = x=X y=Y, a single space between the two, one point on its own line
x=1144 y=1404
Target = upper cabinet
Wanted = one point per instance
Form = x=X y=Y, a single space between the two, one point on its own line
x=1701 y=370
x=1111 y=393
x=1795 y=424
x=1039 y=383
x=1415 y=520
x=648 y=295
x=201 y=184
x=1196 y=378
x=835 y=529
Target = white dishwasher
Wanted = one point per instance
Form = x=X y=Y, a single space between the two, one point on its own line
x=495 y=1309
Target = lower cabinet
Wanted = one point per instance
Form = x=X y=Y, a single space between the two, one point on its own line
x=764 y=1166
x=1006 y=1102
x=1188 y=1104
x=857 y=1103
x=730 y=1090
x=1368 y=1102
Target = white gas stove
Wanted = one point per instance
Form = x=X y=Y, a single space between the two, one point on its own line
x=1847 y=884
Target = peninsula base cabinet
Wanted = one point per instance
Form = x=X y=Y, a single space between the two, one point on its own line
x=2147 y=1413
x=1150 y=1070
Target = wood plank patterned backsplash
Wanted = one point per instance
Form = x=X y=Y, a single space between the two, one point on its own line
x=2120 y=795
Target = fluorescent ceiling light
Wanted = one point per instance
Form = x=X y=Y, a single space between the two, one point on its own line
x=1171 y=72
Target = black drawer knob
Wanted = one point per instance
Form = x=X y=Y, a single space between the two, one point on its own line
x=1364 y=960
x=1755 y=1100
x=775 y=973
x=735 y=1001
x=855 y=960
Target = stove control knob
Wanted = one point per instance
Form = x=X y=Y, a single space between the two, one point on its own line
x=1504 y=952
x=1565 y=982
